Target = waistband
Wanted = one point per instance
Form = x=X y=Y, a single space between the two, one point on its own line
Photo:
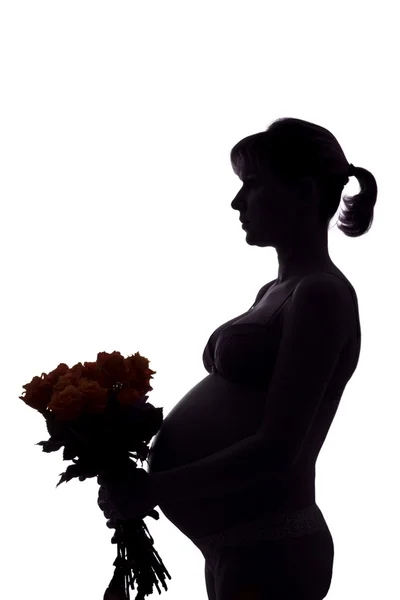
x=269 y=526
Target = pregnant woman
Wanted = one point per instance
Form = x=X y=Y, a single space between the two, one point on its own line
x=234 y=463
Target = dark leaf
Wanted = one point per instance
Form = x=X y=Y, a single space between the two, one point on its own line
x=63 y=478
x=69 y=453
x=50 y=446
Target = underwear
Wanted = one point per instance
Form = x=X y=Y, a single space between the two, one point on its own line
x=270 y=526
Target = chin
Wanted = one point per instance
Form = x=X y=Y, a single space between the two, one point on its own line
x=262 y=243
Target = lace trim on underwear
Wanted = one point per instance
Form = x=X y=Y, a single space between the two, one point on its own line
x=269 y=527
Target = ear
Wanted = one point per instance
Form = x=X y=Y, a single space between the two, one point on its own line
x=308 y=194
x=308 y=188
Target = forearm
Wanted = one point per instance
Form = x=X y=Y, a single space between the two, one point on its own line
x=237 y=467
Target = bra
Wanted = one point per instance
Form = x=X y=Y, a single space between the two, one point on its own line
x=246 y=353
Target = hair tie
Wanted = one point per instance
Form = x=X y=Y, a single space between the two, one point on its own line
x=352 y=170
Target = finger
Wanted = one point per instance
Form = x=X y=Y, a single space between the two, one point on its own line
x=102 y=499
x=103 y=506
x=107 y=512
x=112 y=524
x=101 y=480
x=114 y=514
x=103 y=493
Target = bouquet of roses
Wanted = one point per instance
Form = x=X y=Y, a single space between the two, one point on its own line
x=98 y=412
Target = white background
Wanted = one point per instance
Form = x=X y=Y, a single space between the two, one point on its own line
x=117 y=121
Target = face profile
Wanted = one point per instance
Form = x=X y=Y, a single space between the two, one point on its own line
x=267 y=209
x=284 y=216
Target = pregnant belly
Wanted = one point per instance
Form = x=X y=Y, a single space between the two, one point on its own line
x=210 y=417
x=213 y=415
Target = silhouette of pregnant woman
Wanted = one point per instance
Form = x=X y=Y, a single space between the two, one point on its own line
x=234 y=462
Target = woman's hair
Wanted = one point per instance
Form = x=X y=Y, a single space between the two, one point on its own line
x=293 y=148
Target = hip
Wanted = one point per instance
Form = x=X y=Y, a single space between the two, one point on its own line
x=290 y=560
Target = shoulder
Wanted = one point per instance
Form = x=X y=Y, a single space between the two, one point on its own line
x=324 y=279
x=325 y=293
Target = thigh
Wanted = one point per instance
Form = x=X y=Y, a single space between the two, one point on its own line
x=290 y=569
x=210 y=582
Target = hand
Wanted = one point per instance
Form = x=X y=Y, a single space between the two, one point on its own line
x=126 y=498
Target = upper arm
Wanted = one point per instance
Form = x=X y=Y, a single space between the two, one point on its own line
x=315 y=330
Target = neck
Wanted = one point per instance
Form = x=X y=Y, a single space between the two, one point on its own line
x=304 y=256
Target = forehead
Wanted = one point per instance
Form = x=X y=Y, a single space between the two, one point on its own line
x=249 y=166
x=259 y=174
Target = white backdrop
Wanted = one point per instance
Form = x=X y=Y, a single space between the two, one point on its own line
x=117 y=121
